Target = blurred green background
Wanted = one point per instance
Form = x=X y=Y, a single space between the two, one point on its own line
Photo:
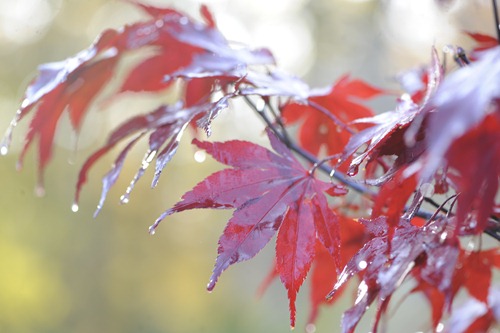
x=66 y=272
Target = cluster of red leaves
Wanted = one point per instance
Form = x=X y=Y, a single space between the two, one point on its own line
x=443 y=138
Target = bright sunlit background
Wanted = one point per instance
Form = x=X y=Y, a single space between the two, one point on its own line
x=66 y=272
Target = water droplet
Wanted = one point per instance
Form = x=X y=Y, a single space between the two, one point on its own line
x=74 y=207
x=124 y=199
x=353 y=170
x=211 y=285
x=40 y=190
x=150 y=155
x=159 y=23
x=152 y=230
x=184 y=20
x=310 y=328
x=439 y=328
x=200 y=156
x=443 y=236
x=323 y=129
x=362 y=292
x=332 y=173
x=362 y=264
x=4 y=150
x=427 y=189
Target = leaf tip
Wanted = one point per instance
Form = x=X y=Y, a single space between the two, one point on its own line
x=211 y=284
x=97 y=210
x=152 y=230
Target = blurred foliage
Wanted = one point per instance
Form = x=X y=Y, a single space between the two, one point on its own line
x=65 y=272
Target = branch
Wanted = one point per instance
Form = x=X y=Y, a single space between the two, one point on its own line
x=283 y=136
x=280 y=131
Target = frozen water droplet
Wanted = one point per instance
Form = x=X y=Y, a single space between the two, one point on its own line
x=74 y=207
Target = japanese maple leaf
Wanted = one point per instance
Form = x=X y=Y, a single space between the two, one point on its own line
x=181 y=47
x=484 y=41
x=62 y=86
x=474 y=167
x=391 y=199
x=272 y=193
x=165 y=126
x=340 y=101
x=476 y=316
x=461 y=102
x=381 y=274
x=386 y=135
x=324 y=269
x=475 y=271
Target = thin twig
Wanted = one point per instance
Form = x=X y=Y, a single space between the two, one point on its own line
x=497 y=22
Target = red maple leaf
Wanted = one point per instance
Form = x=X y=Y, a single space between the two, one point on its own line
x=382 y=273
x=475 y=272
x=474 y=167
x=387 y=135
x=476 y=316
x=182 y=48
x=484 y=42
x=324 y=270
x=340 y=101
x=165 y=126
x=459 y=106
x=272 y=193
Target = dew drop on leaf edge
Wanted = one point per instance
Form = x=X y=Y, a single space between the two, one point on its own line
x=74 y=207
